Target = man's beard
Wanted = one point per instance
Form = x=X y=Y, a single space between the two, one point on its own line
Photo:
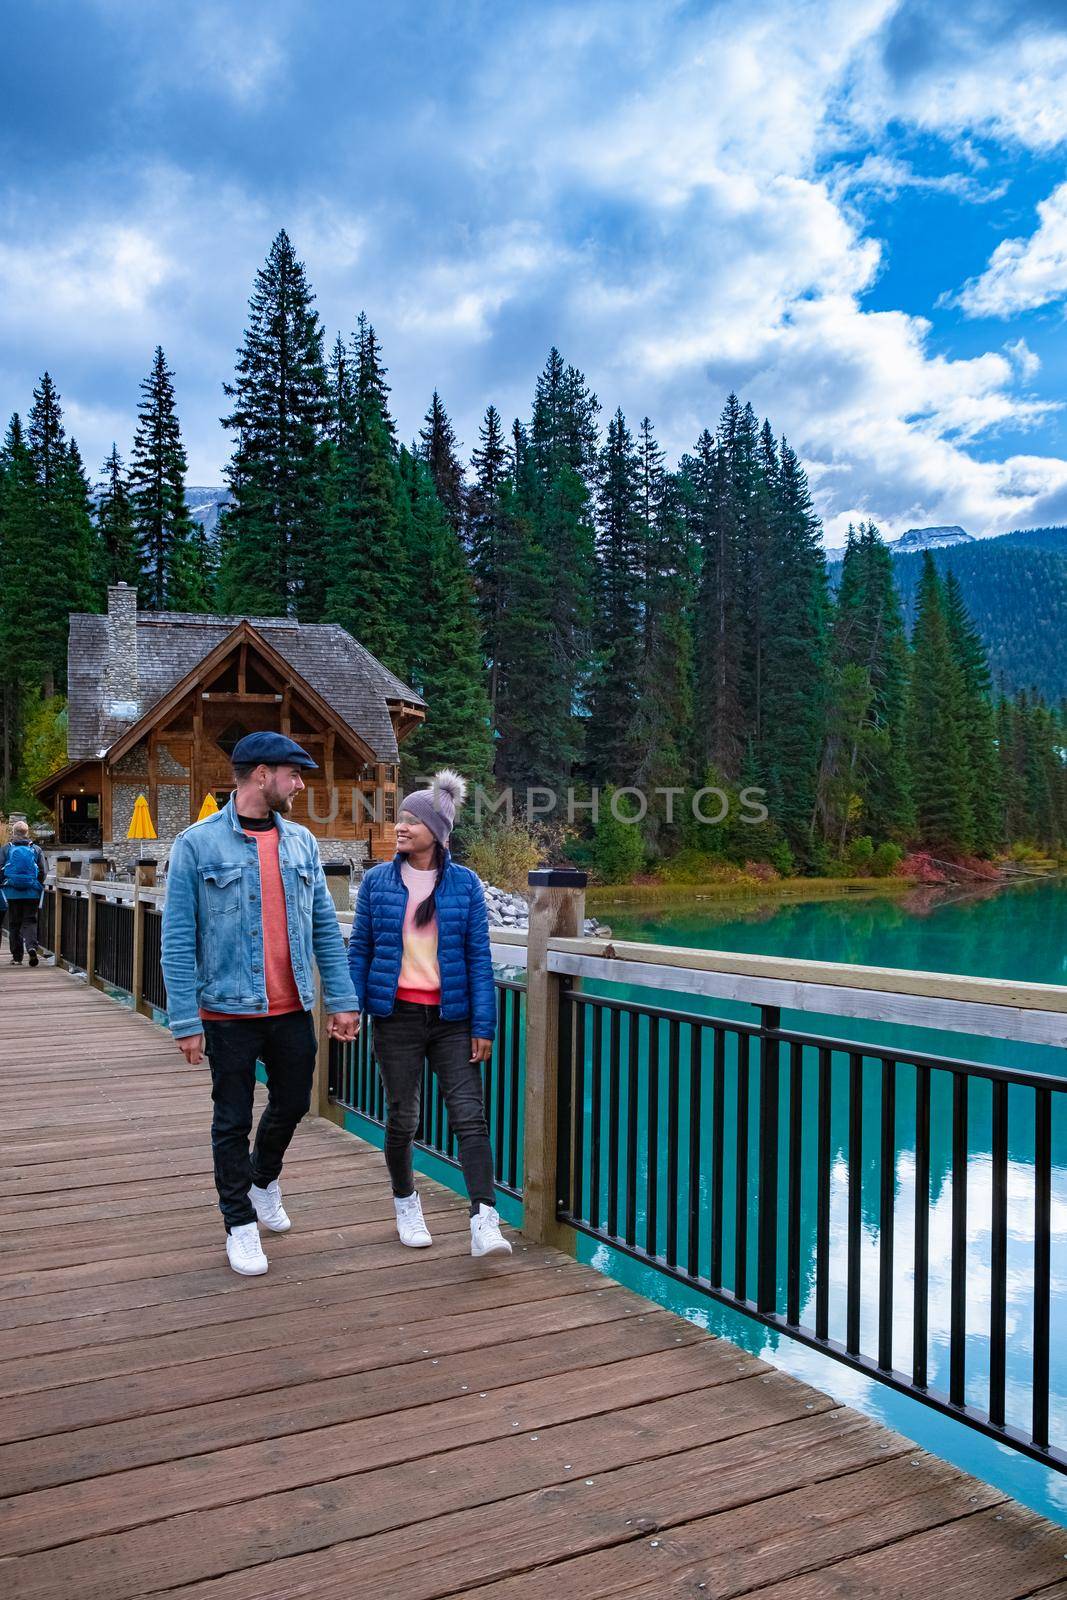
x=278 y=802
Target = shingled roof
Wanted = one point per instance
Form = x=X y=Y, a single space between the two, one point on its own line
x=171 y=644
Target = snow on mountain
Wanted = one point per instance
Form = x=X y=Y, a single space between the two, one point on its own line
x=206 y=505
x=930 y=539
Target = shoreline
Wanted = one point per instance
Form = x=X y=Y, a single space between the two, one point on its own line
x=601 y=896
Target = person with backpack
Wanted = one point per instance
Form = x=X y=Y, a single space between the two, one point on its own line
x=22 y=873
x=420 y=964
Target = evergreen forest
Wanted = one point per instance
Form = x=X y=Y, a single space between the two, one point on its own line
x=577 y=612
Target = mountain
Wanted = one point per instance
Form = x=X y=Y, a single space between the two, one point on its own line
x=1015 y=588
x=930 y=539
x=206 y=506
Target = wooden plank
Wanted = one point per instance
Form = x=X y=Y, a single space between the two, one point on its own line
x=218 y=1425
x=140 y=1394
x=82 y=1510
x=203 y=1544
x=1002 y=1553
x=375 y=1269
x=354 y=1316
x=743 y=1549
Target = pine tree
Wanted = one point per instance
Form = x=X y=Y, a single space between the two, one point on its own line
x=114 y=522
x=864 y=765
x=532 y=696
x=61 y=539
x=23 y=609
x=719 y=475
x=162 y=525
x=438 y=439
x=446 y=664
x=368 y=562
x=795 y=663
x=487 y=533
x=620 y=581
x=273 y=531
x=661 y=729
x=555 y=491
x=939 y=772
x=977 y=721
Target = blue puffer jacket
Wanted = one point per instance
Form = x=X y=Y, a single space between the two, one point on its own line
x=376 y=948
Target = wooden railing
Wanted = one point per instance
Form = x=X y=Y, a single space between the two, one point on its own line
x=793 y=1176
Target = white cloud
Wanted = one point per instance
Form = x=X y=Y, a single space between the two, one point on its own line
x=1026 y=361
x=1024 y=273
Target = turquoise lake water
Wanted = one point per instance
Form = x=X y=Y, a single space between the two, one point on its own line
x=1016 y=933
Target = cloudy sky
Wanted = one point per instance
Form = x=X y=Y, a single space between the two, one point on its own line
x=854 y=212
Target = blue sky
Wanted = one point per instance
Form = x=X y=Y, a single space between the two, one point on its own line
x=852 y=211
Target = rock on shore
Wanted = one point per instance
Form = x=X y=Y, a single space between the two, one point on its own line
x=511 y=911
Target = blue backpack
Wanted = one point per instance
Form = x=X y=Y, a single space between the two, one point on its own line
x=20 y=871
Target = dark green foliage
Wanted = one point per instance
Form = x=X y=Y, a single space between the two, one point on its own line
x=1015 y=591
x=272 y=536
x=438 y=439
x=941 y=781
x=114 y=524
x=60 y=556
x=617 y=851
x=368 y=553
x=863 y=778
x=619 y=580
x=977 y=723
x=445 y=661
x=488 y=532
x=796 y=660
x=175 y=575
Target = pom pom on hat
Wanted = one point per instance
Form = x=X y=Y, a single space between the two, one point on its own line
x=436 y=806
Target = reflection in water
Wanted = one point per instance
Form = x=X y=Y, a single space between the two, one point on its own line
x=1020 y=933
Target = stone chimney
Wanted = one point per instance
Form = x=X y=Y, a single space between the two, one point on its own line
x=121 y=693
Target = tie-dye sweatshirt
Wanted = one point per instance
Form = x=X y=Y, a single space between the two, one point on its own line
x=420 y=976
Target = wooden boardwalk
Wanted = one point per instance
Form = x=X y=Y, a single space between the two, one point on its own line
x=370 y=1421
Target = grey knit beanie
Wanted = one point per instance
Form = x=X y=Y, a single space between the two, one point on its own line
x=436 y=806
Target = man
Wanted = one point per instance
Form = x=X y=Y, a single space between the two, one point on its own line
x=247 y=906
x=22 y=874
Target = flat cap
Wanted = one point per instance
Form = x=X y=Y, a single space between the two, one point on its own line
x=276 y=749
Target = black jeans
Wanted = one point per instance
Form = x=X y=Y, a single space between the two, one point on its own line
x=22 y=926
x=413 y=1034
x=286 y=1047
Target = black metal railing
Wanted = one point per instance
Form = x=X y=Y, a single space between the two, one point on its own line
x=113 y=951
x=74 y=931
x=46 y=921
x=839 y=1194
x=153 y=991
x=356 y=1086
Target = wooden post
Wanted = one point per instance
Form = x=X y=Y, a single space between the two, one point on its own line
x=62 y=871
x=557 y=908
x=97 y=867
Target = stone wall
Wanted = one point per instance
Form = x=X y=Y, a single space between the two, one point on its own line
x=134 y=763
x=173 y=809
x=123 y=800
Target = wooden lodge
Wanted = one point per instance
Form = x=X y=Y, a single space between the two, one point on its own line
x=157 y=701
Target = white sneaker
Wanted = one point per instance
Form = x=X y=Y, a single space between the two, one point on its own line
x=410 y=1222
x=486 y=1237
x=269 y=1208
x=244 y=1251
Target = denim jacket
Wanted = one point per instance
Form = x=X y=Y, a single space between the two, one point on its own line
x=213 y=926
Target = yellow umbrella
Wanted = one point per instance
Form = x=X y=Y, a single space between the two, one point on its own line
x=141 y=822
x=208 y=809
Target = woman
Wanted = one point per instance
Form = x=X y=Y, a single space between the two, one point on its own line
x=420 y=964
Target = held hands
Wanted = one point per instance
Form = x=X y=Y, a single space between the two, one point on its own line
x=481 y=1049
x=192 y=1048
x=343 y=1025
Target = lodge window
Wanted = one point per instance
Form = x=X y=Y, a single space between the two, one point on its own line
x=229 y=736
